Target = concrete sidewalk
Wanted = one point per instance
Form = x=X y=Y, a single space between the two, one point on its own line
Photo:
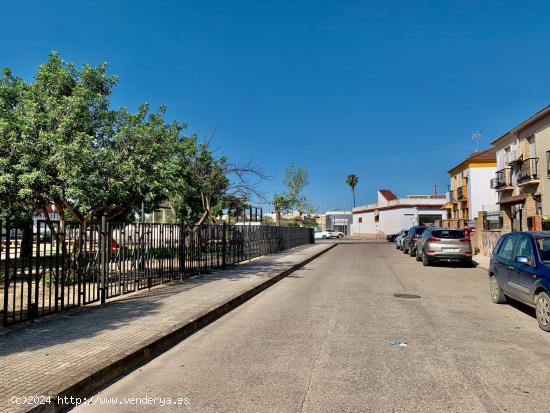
x=482 y=261
x=77 y=352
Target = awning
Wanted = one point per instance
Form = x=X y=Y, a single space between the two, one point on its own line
x=514 y=199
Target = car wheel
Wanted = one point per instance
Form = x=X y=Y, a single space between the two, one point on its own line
x=543 y=311
x=396 y=246
x=425 y=260
x=324 y=237
x=497 y=295
x=412 y=252
x=404 y=249
x=418 y=257
x=340 y=236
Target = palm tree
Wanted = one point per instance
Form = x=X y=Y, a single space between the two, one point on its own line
x=352 y=181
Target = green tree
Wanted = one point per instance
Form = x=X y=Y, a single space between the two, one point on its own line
x=72 y=150
x=352 y=181
x=295 y=180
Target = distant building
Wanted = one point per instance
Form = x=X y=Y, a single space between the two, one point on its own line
x=339 y=221
x=391 y=214
x=469 y=190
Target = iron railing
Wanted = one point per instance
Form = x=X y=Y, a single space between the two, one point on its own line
x=528 y=170
x=44 y=270
x=502 y=179
x=462 y=192
x=492 y=221
x=452 y=196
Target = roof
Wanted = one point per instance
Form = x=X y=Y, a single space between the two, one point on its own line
x=389 y=195
x=488 y=155
x=514 y=199
x=529 y=121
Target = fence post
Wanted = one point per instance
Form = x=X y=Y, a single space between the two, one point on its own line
x=103 y=260
x=224 y=245
x=6 y=274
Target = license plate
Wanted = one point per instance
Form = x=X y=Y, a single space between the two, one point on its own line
x=450 y=249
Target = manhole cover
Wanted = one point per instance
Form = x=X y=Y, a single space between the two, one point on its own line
x=405 y=295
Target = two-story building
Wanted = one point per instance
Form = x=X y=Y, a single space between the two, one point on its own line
x=523 y=165
x=469 y=190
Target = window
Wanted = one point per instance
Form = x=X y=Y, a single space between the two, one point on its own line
x=548 y=162
x=448 y=234
x=543 y=245
x=360 y=220
x=506 y=249
x=524 y=248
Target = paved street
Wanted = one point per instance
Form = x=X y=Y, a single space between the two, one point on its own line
x=319 y=340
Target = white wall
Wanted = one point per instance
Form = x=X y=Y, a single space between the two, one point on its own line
x=391 y=220
x=479 y=188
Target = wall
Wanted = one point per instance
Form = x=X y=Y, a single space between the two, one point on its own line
x=542 y=138
x=391 y=221
x=479 y=191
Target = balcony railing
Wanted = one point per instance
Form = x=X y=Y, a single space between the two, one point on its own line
x=452 y=197
x=502 y=179
x=528 y=170
x=462 y=192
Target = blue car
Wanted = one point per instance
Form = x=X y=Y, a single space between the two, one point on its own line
x=520 y=269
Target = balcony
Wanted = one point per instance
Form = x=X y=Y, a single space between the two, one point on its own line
x=462 y=193
x=528 y=171
x=501 y=180
x=452 y=197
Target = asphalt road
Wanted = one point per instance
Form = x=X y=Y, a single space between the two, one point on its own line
x=320 y=341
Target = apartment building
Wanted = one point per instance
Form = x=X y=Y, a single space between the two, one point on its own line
x=469 y=189
x=523 y=165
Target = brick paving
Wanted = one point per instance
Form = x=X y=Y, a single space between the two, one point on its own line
x=44 y=357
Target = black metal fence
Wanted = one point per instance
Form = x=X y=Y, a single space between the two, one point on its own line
x=492 y=221
x=44 y=270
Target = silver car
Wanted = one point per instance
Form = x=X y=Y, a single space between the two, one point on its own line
x=443 y=244
x=399 y=240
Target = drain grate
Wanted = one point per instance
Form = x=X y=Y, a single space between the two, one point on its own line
x=407 y=296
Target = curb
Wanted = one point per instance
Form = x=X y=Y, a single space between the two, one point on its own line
x=127 y=364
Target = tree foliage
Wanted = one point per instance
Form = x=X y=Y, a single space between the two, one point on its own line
x=295 y=180
x=62 y=143
x=352 y=181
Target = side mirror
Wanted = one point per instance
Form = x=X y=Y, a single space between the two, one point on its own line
x=522 y=260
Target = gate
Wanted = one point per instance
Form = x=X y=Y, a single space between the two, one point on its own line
x=517 y=224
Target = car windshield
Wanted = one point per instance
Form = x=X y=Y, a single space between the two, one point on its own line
x=448 y=234
x=543 y=244
x=420 y=230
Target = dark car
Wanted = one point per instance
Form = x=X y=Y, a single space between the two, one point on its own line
x=391 y=237
x=520 y=269
x=409 y=242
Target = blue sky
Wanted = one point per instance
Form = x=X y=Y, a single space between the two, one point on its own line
x=390 y=91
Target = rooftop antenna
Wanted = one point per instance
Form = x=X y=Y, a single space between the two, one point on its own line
x=476 y=137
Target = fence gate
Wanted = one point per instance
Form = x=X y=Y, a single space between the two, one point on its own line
x=517 y=221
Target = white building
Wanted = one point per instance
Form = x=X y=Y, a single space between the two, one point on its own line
x=391 y=214
x=339 y=221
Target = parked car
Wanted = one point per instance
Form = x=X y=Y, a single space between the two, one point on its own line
x=409 y=242
x=329 y=233
x=391 y=237
x=399 y=240
x=520 y=269
x=443 y=244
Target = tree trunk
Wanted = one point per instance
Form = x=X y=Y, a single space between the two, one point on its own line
x=277 y=217
x=353 y=192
